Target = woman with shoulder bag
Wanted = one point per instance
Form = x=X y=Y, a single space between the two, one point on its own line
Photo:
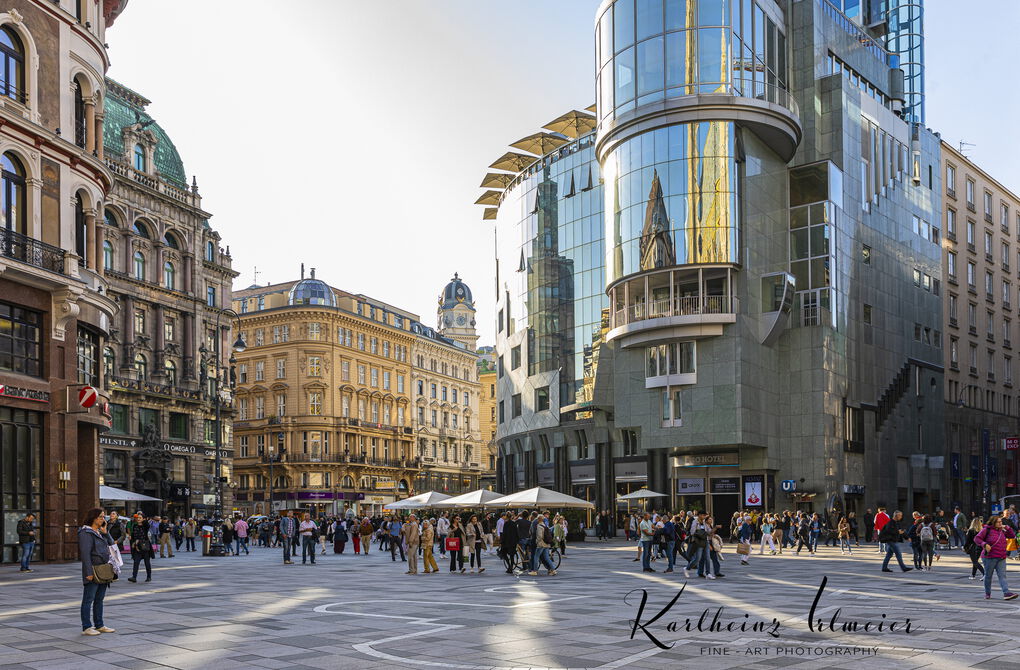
x=475 y=535
x=96 y=571
x=141 y=549
x=455 y=543
x=972 y=549
x=993 y=538
x=339 y=536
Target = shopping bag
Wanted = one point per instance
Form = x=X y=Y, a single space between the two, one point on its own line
x=743 y=548
x=453 y=544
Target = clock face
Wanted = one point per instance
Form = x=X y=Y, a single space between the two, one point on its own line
x=461 y=320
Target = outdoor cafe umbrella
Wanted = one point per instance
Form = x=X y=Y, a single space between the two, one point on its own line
x=496 y=180
x=512 y=161
x=539 y=143
x=540 y=497
x=473 y=499
x=419 y=501
x=489 y=198
x=111 y=493
x=642 y=494
x=572 y=124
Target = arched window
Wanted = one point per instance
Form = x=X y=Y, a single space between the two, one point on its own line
x=171 y=373
x=139 y=158
x=210 y=251
x=140 y=229
x=111 y=219
x=168 y=275
x=12 y=74
x=139 y=266
x=109 y=363
x=141 y=367
x=107 y=255
x=280 y=483
x=171 y=241
x=80 y=231
x=348 y=482
x=13 y=193
x=79 y=115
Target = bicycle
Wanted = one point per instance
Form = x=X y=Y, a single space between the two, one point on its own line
x=517 y=561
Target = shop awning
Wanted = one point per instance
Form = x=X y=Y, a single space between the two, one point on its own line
x=110 y=493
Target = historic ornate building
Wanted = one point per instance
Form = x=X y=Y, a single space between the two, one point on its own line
x=333 y=395
x=171 y=278
x=55 y=312
x=323 y=399
x=446 y=396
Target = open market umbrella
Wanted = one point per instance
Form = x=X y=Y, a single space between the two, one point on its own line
x=572 y=124
x=496 y=180
x=540 y=497
x=473 y=499
x=111 y=493
x=489 y=198
x=490 y=213
x=642 y=494
x=419 y=501
x=539 y=143
x=512 y=161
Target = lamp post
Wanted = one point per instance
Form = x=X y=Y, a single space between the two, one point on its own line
x=216 y=546
x=986 y=460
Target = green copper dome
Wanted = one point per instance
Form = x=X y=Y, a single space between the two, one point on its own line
x=123 y=107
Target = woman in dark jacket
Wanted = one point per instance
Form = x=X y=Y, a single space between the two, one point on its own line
x=972 y=549
x=339 y=536
x=141 y=548
x=93 y=549
x=457 y=531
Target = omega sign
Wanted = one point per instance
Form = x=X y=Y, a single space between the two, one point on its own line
x=694 y=460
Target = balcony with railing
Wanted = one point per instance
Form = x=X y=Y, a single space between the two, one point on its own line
x=31 y=251
x=672 y=304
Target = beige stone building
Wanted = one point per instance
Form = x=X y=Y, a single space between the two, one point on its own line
x=981 y=266
x=487 y=418
x=328 y=399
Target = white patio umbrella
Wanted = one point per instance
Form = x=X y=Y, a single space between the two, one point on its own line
x=417 y=502
x=111 y=493
x=642 y=494
x=477 y=498
x=540 y=497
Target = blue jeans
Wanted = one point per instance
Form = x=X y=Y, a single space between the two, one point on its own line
x=286 y=548
x=646 y=554
x=307 y=547
x=998 y=566
x=26 y=554
x=845 y=542
x=669 y=554
x=238 y=543
x=92 y=603
x=542 y=556
x=891 y=549
x=697 y=556
x=958 y=537
x=814 y=540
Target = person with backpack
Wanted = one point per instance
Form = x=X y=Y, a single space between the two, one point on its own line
x=927 y=535
x=542 y=539
x=993 y=539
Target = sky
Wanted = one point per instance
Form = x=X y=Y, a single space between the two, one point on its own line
x=351 y=136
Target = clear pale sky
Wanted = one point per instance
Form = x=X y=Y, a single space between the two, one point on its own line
x=352 y=135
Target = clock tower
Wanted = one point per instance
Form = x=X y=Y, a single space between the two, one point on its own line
x=456 y=314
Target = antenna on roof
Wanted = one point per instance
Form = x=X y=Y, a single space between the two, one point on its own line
x=965 y=144
x=302 y=270
x=313 y=273
x=257 y=273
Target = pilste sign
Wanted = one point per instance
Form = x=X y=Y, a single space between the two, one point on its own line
x=1011 y=443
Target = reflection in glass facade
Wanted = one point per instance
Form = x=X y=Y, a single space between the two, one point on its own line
x=672 y=198
x=650 y=50
x=550 y=272
x=906 y=38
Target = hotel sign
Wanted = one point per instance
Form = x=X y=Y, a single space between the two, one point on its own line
x=702 y=460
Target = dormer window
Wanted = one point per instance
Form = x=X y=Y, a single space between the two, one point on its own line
x=139 y=158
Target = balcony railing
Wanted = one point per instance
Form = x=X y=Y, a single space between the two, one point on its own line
x=681 y=306
x=156 y=184
x=759 y=90
x=345 y=458
x=27 y=250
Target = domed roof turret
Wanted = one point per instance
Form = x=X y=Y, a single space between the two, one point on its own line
x=456 y=293
x=311 y=292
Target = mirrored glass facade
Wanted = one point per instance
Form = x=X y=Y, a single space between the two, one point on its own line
x=650 y=50
x=671 y=199
x=550 y=272
x=905 y=20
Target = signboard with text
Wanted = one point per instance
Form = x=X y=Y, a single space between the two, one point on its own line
x=1012 y=443
x=690 y=486
x=725 y=484
x=753 y=491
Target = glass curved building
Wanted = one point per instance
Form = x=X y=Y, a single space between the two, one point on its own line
x=769 y=248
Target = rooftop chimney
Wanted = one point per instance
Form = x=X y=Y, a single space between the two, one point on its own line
x=313 y=273
x=302 y=270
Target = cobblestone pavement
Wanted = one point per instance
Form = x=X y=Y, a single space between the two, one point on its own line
x=364 y=612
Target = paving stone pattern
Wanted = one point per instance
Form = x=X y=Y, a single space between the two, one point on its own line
x=363 y=612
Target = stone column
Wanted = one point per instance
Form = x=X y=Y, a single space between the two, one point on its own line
x=99 y=136
x=90 y=126
x=188 y=348
x=100 y=256
x=189 y=268
x=127 y=304
x=156 y=261
x=90 y=240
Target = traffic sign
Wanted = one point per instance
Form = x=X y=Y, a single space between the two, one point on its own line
x=1012 y=443
x=87 y=396
x=788 y=485
x=996 y=508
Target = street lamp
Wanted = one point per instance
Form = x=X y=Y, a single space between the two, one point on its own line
x=986 y=456
x=216 y=546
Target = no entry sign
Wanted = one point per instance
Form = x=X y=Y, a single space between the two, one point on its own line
x=87 y=396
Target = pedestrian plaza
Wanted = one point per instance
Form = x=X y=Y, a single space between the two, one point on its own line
x=363 y=612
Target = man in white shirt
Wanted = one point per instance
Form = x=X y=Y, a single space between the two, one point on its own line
x=442 y=530
x=307 y=530
x=647 y=530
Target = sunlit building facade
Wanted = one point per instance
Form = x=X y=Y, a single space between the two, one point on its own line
x=765 y=203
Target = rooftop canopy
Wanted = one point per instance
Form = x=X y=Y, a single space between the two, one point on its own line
x=540 y=143
x=496 y=180
x=572 y=124
x=512 y=161
x=488 y=198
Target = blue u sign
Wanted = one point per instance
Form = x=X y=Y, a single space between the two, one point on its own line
x=788 y=485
